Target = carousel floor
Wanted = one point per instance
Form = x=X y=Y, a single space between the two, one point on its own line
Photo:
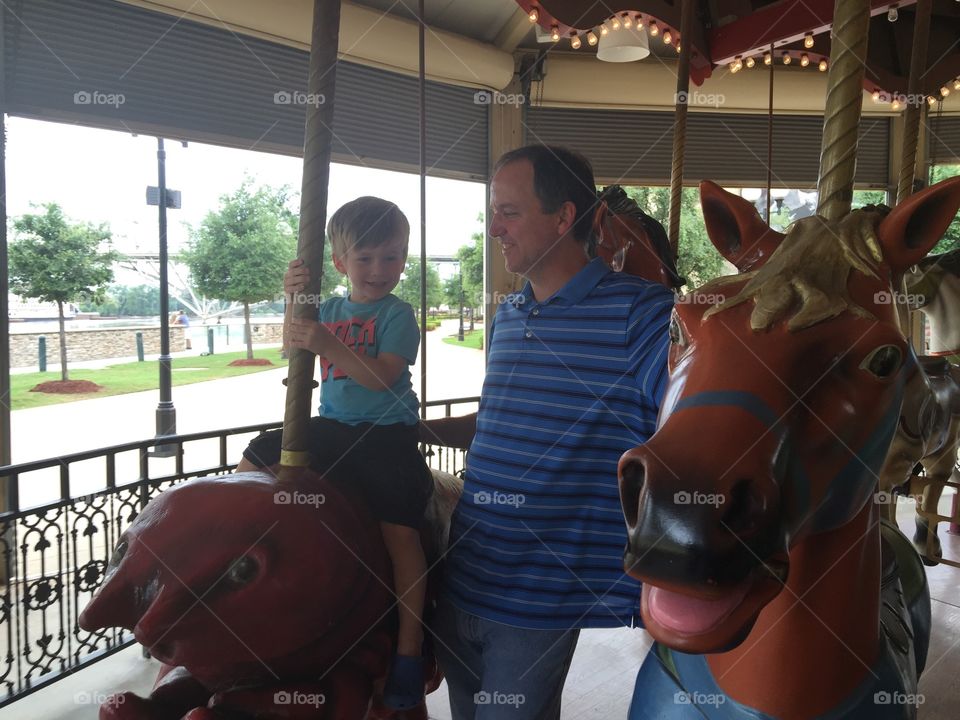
x=601 y=677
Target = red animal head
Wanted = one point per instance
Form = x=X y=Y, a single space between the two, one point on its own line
x=785 y=389
x=241 y=580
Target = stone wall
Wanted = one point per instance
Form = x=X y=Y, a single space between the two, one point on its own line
x=93 y=344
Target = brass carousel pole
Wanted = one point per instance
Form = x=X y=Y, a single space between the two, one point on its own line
x=318 y=140
x=838 y=154
x=680 y=125
x=422 y=84
x=914 y=111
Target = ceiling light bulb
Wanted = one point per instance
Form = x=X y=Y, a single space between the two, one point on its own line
x=604 y=30
x=956 y=84
x=534 y=14
x=895 y=105
x=876 y=96
x=667 y=37
x=733 y=67
x=575 y=42
x=627 y=22
x=767 y=59
x=591 y=38
x=944 y=91
x=822 y=67
x=804 y=60
x=615 y=23
x=892 y=13
x=555 y=33
x=751 y=61
x=654 y=29
x=931 y=101
x=677 y=46
x=786 y=58
x=639 y=21
x=808 y=41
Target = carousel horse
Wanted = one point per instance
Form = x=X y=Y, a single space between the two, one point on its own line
x=261 y=599
x=771 y=586
x=934 y=286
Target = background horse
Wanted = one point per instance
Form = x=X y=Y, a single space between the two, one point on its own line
x=751 y=512
x=262 y=599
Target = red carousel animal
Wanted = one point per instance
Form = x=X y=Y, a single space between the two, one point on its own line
x=751 y=512
x=262 y=600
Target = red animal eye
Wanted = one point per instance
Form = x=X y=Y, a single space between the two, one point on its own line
x=243 y=571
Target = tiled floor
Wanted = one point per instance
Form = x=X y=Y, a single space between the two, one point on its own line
x=601 y=677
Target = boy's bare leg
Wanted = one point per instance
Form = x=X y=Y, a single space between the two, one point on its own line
x=410 y=584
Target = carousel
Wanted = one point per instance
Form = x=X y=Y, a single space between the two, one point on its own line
x=801 y=390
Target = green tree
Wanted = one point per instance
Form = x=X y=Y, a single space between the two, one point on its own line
x=240 y=252
x=409 y=288
x=55 y=260
x=471 y=267
x=698 y=260
x=951 y=238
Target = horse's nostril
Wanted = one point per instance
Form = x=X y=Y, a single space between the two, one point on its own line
x=743 y=508
x=631 y=484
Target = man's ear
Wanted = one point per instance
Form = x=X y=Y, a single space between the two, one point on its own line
x=338 y=263
x=567 y=216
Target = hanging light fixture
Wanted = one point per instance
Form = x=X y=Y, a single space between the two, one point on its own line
x=534 y=14
x=639 y=20
x=615 y=23
x=956 y=84
x=667 y=37
x=876 y=96
x=604 y=30
x=627 y=21
x=751 y=61
x=808 y=41
x=804 y=60
x=892 y=14
x=627 y=45
x=931 y=101
x=555 y=33
x=822 y=67
x=575 y=42
x=786 y=58
x=591 y=38
x=767 y=58
x=654 y=28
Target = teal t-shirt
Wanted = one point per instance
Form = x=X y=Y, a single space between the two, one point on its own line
x=385 y=326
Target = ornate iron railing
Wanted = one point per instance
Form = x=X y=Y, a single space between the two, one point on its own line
x=53 y=556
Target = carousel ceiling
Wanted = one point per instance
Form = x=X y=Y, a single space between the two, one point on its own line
x=738 y=34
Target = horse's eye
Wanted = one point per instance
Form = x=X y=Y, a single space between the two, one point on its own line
x=243 y=571
x=884 y=361
x=676 y=332
x=118 y=553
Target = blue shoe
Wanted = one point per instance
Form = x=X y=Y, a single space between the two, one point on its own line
x=404 y=688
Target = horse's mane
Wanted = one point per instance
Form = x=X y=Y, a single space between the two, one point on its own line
x=619 y=203
x=805 y=279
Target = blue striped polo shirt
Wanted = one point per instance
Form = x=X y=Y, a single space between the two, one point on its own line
x=572 y=383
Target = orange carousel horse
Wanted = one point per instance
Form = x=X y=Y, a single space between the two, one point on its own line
x=770 y=585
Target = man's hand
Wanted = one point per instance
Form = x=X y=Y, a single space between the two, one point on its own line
x=311 y=335
x=296 y=277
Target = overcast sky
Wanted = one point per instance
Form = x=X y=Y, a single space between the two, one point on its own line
x=102 y=175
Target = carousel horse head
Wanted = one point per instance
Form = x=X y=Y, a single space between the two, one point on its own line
x=241 y=579
x=933 y=288
x=785 y=390
x=631 y=241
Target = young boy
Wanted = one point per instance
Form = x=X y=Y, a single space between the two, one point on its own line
x=367 y=429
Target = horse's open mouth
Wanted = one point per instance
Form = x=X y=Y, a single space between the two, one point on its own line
x=712 y=621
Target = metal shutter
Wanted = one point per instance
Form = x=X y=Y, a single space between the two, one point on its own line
x=186 y=80
x=635 y=147
x=944 y=134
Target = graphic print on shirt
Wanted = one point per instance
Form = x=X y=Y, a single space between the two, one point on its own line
x=358 y=334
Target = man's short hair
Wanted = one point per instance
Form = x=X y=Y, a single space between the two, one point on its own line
x=366 y=222
x=561 y=175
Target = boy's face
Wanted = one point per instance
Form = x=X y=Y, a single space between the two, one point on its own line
x=374 y=271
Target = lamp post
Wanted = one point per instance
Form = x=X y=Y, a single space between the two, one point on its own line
x=460 y=331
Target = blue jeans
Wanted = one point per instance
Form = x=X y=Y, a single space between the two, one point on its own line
x=498 y=671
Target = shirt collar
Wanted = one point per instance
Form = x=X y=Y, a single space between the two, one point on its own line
x=573 y=292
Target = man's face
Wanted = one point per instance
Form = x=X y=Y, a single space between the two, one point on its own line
x=528 y=236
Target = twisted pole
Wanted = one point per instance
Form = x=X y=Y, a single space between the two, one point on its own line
x=838 y=152
x=317 y=147
x=912 y=116
x=680 y=125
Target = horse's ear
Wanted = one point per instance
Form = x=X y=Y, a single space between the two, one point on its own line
x=914 y=226
x=736 y=228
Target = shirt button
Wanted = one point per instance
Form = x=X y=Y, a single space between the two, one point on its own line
x=529 y=333
x=536 y=311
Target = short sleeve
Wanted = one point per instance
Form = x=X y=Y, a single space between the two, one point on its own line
x=648 y=340
x=399 y=332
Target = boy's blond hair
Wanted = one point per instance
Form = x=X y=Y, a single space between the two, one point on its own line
x=366 y=222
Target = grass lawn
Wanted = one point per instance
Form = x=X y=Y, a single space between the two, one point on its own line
x=136 y=376
x=471 y=339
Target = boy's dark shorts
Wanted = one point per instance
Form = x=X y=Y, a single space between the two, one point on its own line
x=382 y=462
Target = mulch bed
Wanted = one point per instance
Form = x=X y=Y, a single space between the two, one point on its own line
x=254 y=361
x=67 y=387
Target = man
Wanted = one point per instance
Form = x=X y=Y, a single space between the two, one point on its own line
x=576 y=371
